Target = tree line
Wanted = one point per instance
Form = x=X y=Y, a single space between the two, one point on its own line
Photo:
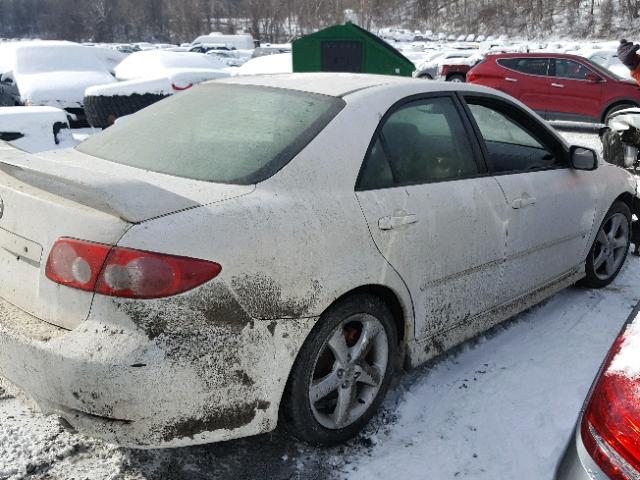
x=179 y=21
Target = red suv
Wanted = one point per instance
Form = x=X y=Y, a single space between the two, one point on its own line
x=557 y=86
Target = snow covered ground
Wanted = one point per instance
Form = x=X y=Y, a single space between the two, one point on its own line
x=502 y=406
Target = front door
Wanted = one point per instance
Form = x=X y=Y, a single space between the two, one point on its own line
x=575 y=97
x=434 y=213
x=526 y=79
x=552 y=207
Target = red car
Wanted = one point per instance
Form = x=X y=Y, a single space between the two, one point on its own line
x=558 y=86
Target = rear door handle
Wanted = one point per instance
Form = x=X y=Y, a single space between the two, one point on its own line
x=396 y=221
x=509 y=79
x=523 y=202
x=557 y=85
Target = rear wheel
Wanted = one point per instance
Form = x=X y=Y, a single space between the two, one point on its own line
x=610 y=248
x=342 y=373
x=457 y=78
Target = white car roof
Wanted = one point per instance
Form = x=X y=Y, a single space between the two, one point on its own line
x=333 y=84
x=343 y=84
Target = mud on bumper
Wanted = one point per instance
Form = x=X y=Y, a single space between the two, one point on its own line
x=164 y=373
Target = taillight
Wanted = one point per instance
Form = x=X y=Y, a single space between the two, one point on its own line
x=611 y=423
x=123 y=272
x=471 y=77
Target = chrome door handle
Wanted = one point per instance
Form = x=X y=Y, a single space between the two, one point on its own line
x=395 y=221
x=557 y=85
x=509 y=79
x=523 y=202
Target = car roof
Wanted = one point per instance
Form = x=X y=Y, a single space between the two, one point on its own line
x=538 y=55
x=343 y=84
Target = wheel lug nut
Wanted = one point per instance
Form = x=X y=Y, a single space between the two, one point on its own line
x=345 y=385
x=340 y=373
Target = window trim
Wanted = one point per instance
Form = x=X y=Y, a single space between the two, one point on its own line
x=490 y=101
x=548 y=59
x=478 y=155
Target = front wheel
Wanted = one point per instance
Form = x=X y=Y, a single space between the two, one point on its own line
x=610 y=248
x=342 y=373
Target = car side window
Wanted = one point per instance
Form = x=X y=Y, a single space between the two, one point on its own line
x=511 y=147
x=529 y=66
x=571 y=70
x=421 y=142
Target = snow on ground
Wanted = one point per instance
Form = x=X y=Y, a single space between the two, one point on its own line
x=502 y=406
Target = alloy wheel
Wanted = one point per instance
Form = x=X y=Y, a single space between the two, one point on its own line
x=612 y=243
x=349 y=371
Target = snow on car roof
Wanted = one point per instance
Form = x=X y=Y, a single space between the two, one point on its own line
x=47 y=55
x=333 y=84
x=157 y=63
x=343 y=84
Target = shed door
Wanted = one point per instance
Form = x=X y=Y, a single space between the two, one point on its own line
x=341 y=56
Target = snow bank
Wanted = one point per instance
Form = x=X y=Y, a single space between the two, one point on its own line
x=279 y=63
x=159 y=63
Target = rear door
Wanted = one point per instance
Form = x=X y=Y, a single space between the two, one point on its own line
x=552 y=207
x=574 y=97
x=433 y=211
x=527 y=80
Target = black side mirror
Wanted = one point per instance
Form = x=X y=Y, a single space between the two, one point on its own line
x=581 y=158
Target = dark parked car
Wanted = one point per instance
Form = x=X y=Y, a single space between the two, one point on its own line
x=558 y=86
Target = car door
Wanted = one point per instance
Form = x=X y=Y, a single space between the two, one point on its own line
x=552 y=207
x=433 y=211
x=575 y=97
x=527 y=80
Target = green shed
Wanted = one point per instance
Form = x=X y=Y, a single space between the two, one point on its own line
x=348 y=48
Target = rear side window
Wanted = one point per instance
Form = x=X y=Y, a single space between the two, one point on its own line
x=571 y=70
x=217 y=132
x=530 y=66
x=421 y=142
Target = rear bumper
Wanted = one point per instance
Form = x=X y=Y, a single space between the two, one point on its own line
x=576 y=464
x=154 y=373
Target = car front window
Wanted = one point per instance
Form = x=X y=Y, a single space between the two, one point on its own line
x=510 y=146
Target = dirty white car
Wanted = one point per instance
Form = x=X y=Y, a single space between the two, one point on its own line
x=291 y=244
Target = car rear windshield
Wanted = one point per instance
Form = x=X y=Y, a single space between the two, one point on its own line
x=217 y=132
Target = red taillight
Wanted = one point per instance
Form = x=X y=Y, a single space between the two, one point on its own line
x=471 y=77
x=610 y=427
x=123 y=272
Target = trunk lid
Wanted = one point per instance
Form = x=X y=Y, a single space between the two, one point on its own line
x=69 y=194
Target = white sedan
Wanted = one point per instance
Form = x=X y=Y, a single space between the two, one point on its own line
x=277 y=247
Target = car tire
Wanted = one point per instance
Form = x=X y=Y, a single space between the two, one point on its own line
x=102 y=111
x=425 y=76
x=617 y=108
x=346 y=394
x=610 y=247
x=457 y=78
